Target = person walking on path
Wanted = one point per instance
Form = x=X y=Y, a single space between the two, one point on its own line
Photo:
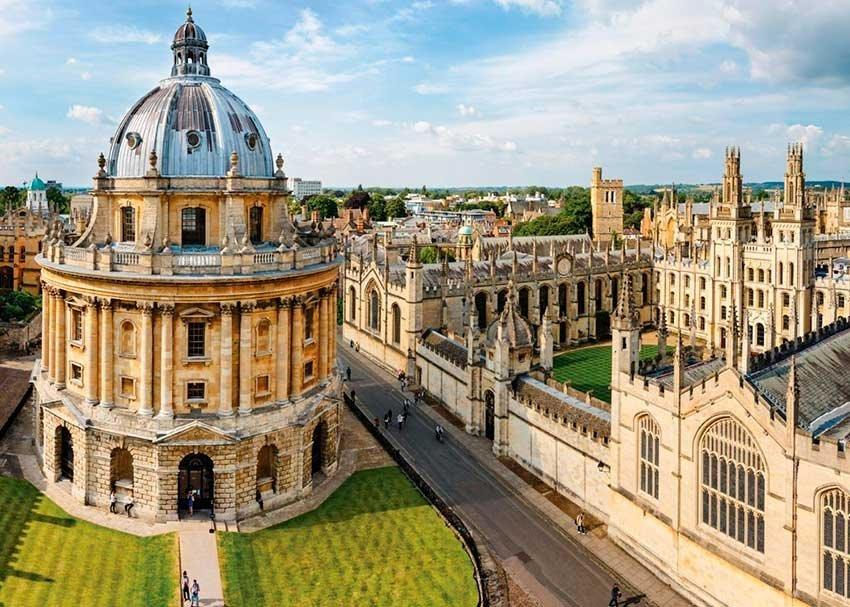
x=113 y=502
x=616 y=595
x=190 y=501
x=348 y=373
x=196 y=594
x=259 y=498
x=400 y=420
x=388 y=418
x=185 y=585
x=580 y=523
x=128 y=507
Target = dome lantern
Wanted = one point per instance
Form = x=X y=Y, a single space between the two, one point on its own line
x=190 y=49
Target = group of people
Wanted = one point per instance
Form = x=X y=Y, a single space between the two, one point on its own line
x=191 y=593
x=113 y=503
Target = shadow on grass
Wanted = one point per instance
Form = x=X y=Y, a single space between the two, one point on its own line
x=19 y=501
x=53 y=520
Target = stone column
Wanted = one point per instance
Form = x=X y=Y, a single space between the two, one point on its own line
x=90 y=378
x=46 y=301
x=332 y=331
x=61 y=343
x=297 y=366
x=166 y=361
x=146 y=356
x=106 y=354
x=323 y=334
x=284 y=318
x=246 y=356
x=50 y=344
x=225 y=398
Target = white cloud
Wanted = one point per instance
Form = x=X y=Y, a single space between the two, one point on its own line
x=351 y=29
x=116 y=34
x=544 y=8
x=807 y=134
x=307 y=35
x=382 y=123
x=71 y=61
x=19 y=16
x=408 y=59
x=463 y=141
x=4 y=130
x=86 y=113
x=701 y=154
x=728 y=67
x=426 y=88
x=86 y=75
x=466 y=110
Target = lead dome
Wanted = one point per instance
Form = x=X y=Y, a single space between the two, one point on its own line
x=190 y=121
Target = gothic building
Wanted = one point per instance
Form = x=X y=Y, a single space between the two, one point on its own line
x=188 y=333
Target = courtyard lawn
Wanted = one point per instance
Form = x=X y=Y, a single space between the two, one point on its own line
x=50 y=559
x=374 y=542
x=590 y=368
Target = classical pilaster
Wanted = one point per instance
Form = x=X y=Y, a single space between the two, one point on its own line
x=53 y=304
x=46 y=301
x=166 y=361
x=106 y=353
x=284 y=318
x=332 y=312
x=225 y=398
x=323 y=334
x=297 y=367
x=90 y=378
x=246 y=368
x=61 y=343
x=145 y=392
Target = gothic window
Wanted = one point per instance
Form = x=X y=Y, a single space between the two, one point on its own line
x=786 y=300
x=352 y=304
x=840 y=301
x=702 y=284
x=523 y=303
x=702 y=323
x=791 y=273
x=761 y=275
x=820 y=298
x=649 y=455
x=374 y=310
x=193 y=227
x=644 y=288
x=786 y=322
x=128 y=224
x=835 y=546
x=687 y=281
x=761 y=299
x=702 y=303
x=750 y=276
x=732 y=483
x=501 y=301
x=750 y=297
x=759 y=334
x=256 y=224
x=722 y=312
x=396 y=313
x=722 y=291
x=781 y=273
x=580 y=297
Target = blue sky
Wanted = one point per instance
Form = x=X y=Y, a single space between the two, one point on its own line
x=450 y=92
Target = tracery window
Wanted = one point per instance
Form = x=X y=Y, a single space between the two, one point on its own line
x=733 y=483
x=650 y=445
x=374 y=310
x=396 y=324
x=835 y=545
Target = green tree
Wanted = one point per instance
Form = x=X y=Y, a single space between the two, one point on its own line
x=58 y=201
x=575 y=218
x=358 y=199
x=324 y=204
x=377 y=208
x=431 y=254
x=395 y=208
x=9 y=197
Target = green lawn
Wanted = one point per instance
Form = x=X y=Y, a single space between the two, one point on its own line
x=590 y=368
x=50 y=559
x=374 y=542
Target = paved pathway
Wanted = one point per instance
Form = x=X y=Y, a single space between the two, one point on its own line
x=199 y=559
x=533 y=538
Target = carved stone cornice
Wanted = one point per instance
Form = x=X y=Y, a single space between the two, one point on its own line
x=247 y=306
x=105 y=304
x=146 y=307
x=227 y=308
x=166 y=309
x=284 y=302
x=90 y=301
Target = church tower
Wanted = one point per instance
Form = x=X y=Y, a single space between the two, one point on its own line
x=625 y=334
x=606 y=203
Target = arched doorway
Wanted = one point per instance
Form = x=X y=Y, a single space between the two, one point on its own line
x=196 y=475
x=66 y=453
x=7 y=280
x=489 y=414
x=317 y=454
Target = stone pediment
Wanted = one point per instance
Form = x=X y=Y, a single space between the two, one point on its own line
x=196 y=432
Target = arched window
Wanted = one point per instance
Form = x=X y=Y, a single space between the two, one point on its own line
x=128 y=224
x=523 y=303
x=786 y=322
x=649 y=455
x=781 y=273
x=835 y=547
x=481 y=309
x=255 y=217
x=733 y=483
x=819 y=298
x=644 y=289
x=22 y=254
x=501 y=300
x=396 y=313
x=374 y=310
x=127 y=339
x=581 y=297
x=759 y=334
x=193 y=227
x=264 y=345
x=597 y=295
x=352 y=304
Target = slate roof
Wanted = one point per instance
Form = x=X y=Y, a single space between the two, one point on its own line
x=566 y=407
x=445 y=347
x=693 y=374
x=822 y=376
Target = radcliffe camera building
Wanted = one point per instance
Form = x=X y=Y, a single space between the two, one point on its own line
x=188 y=333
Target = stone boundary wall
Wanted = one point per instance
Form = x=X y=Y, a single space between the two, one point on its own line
x=18 y=337
x=489 y=576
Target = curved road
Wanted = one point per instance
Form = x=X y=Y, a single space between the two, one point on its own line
x=516 y=531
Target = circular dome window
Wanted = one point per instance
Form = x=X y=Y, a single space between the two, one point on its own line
x=134 y=140
x=193 y=139
x=251 y=139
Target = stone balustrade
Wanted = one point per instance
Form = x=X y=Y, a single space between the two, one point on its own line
x=166 y=263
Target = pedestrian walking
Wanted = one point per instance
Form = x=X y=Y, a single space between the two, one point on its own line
x=616 y=595
x=113 y=502
x=186 y=595
x=348 y=373
x=400 y=420
x=128 y=506
x=190 y=502
x=388 y=418
x=580 y=523
x=259 y=498
x=196 y=594
x=377 y=422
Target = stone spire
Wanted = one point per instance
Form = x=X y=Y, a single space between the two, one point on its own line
x=626 y=315
x=792 y=396
x=744 y=362
x=732 y=338
x=662 y=334
x=795 y=178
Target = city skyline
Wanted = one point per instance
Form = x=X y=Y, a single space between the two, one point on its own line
x=449 y=94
